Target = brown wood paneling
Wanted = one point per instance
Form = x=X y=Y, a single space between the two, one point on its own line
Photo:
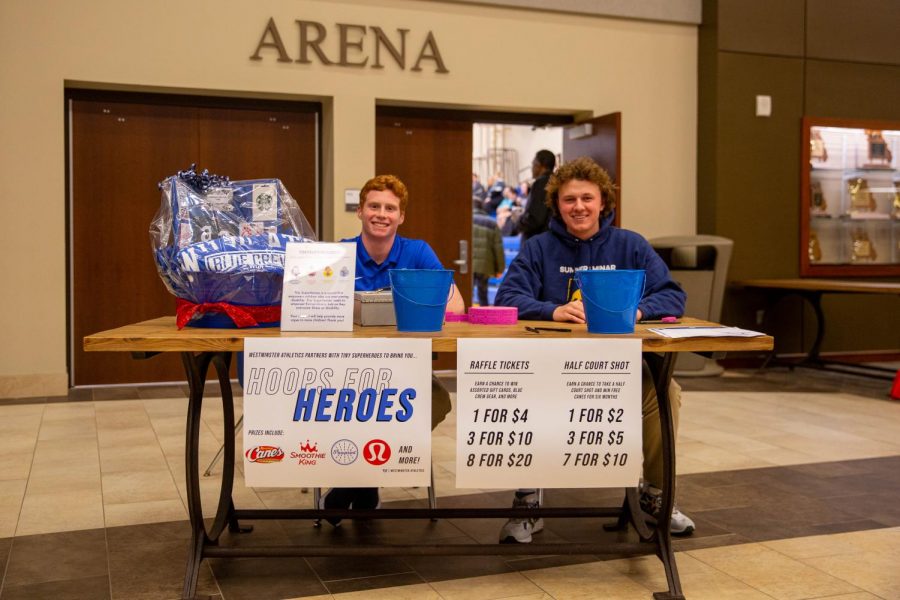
x=707 y=98
x=758 y=182
x=119 y=153
x=121 y=148
x=853 y=30
x=852 y=90
x=433 y=157
x=254 y=144
x=761 y=26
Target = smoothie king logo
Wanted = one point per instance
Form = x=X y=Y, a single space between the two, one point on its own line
x=309 y=454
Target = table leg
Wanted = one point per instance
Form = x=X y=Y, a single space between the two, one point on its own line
x=661 y=367
x=196 y=367
x=815 y=301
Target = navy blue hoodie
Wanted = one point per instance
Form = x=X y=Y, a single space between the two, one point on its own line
x=541 y=277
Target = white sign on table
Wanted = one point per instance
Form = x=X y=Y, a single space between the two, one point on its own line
x=318 y=286
x=548 y=413
x=337 y=412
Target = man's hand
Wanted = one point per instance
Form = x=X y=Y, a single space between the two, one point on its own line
x=639 y=316
x=455 y=302
x=573 y=312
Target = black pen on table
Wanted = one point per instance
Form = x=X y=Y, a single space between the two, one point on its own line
x=540 y=329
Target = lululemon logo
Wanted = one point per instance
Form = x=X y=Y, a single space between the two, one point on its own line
x=376 y=452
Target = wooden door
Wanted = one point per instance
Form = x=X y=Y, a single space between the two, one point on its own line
x=246 y=143
x=433 y=157
x=121 y=147
x=604 y=145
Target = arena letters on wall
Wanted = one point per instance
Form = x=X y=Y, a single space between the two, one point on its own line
x=355 y=46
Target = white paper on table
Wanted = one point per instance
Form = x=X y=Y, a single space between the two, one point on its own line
x=318 y=287
x=703 y=331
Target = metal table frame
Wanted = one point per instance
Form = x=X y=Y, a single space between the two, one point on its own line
x=205 y=540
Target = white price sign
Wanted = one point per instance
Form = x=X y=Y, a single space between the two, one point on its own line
x=337 y=412
x=548 y=413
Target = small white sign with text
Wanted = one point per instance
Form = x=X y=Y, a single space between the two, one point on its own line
x=318 y=288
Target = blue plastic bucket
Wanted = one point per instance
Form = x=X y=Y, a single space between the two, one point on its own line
x=420 y=297
x=611 y=299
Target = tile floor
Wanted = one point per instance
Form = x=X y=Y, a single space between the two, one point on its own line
x=793 y=479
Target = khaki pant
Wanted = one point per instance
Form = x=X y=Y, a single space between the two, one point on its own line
x=440 y=402
x=653 y=457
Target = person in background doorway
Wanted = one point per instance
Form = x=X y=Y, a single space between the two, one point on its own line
x=510 y=198
x=539 y=282
x=487 y=251
x=522 y=191
x=536 y=216
x=478 y=190
x=509 y=211
x=382 y=209
x=495 y=194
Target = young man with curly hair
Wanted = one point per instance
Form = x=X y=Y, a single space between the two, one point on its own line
x=540 y=283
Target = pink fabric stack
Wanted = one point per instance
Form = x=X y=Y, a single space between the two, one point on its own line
x=494 y=315
x=451 y=317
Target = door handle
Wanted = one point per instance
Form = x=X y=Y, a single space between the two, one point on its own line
x=462 y=262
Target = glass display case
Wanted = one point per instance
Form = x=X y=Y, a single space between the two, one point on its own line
x=850 y=193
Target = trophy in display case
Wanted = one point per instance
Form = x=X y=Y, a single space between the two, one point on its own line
x=815 y=250
x=818 y=203
x=862 y=248
x=817 y=149
x=879 y=153
x=861 y=199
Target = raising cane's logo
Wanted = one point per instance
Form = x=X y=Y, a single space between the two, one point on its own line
x=265 y=454
x=309 y=454
x=376 y=452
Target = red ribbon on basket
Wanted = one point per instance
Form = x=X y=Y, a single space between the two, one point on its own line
x=243 y=316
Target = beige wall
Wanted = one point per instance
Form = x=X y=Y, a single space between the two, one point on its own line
x=498 y=59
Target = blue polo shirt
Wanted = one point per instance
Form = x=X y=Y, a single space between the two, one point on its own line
x=404 y=254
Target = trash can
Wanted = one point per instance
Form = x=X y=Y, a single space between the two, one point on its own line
x=699 y=263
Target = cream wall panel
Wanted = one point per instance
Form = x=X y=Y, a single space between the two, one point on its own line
x=498 y=58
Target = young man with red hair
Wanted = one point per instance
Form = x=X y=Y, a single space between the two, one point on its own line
x=382 y=209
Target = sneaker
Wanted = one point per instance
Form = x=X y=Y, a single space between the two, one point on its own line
x=336 y=498
x=651 y=503
x=519 y=530
x=681 y=524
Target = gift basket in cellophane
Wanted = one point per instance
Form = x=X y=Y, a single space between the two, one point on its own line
x=219 y=247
